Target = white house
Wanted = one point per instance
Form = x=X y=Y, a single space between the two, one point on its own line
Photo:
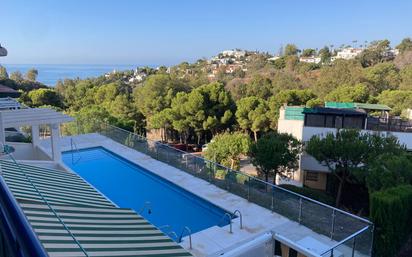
x=348 y=53
x=303 y=123
x=310 y=59
x=236 y=53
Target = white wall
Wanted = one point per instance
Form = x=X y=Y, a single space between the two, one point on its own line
x=404 y=137
x=308 y=132
x=293 y=127
x=26 y=151
x=307 y=162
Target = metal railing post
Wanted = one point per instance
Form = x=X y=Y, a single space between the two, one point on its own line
x=226 y=180
x=371 y=247
x=332 y=230
x=272 y=205
x=300 y=210
x=248 y=189
x=353 y=246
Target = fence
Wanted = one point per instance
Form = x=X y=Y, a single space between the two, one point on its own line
x=353 y=234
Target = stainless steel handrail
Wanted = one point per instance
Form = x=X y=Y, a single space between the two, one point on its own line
x=146 y=205
x=190 y=235
x=240 y=218
x=230 y=220
x=73 y=147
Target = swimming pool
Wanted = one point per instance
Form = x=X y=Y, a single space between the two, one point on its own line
x=164 y=204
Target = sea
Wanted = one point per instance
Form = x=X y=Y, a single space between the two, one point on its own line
x=49 y=74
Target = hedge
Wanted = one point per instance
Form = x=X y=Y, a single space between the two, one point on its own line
x=391 y=211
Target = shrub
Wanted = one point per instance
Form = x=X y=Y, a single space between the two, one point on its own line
x=220 y=173
x=315 y=194
x=391 y=211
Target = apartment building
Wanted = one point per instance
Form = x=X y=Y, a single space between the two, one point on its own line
x=303 y=123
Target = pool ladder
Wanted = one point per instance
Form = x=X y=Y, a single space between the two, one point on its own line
x=230 y=217
x=74 y=148
x=189 y=234
x=179 y=238
x=147 y=205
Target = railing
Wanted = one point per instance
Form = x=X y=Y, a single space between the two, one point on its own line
x=189 y=235
x=395 y=125
x=73 y=148
x=334 y=223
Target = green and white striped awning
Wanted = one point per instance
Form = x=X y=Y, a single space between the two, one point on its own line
x=72 y=219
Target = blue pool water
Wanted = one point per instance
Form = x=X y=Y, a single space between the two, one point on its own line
x=128 y=185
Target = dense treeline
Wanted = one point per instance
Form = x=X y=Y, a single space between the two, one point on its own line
x=192 y=107
x=242 y=106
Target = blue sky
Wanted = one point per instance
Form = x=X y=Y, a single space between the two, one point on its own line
x=155 y=32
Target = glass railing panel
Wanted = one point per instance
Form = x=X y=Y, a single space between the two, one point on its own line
x=286 y=204
x=260 y=193
x=344 y=249
x=363 y=243
x=237 y=183
x=346 y=225
x=317 y=217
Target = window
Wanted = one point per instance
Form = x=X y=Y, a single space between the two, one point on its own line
x=330 y=121
x=353 y=122
x=313 y=120
x=278 y=249
x=293 y=253
x=312 y=176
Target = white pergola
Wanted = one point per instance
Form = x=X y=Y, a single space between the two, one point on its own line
x=35 y=117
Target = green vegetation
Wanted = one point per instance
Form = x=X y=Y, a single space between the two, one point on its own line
x=391 y=211
x=275 y=154
x=238 y=99
x=350 y=153
x=227 y=148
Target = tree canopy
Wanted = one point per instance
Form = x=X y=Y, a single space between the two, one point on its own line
x=275 y=154
x=227 y=148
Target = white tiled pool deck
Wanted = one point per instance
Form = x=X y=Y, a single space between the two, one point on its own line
x=215 y=240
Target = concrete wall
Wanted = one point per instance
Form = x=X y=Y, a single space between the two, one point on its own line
x=404 y=137
x=26 y=151
x=294 y=127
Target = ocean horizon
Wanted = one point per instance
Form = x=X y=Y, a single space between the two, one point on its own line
x=49 y=74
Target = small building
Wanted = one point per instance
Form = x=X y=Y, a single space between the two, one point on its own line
x=310 y=59
x=303 y=123
x=348 y=53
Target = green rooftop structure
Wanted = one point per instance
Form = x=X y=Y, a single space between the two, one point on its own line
x=365 y=106
x=294 y=113
x=71 y=218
